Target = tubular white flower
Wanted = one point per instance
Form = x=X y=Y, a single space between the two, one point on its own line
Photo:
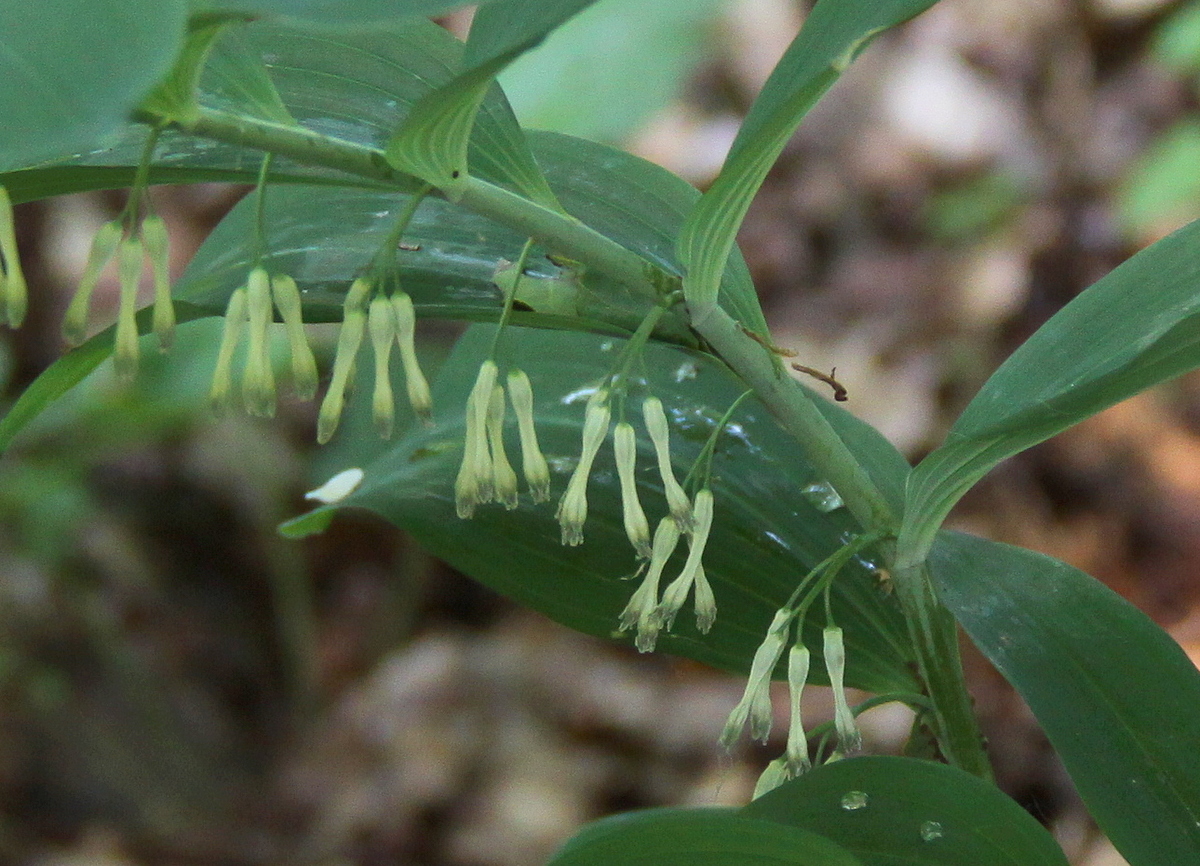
x=637 y=528
x=415 y=383
x=129 y=273
x=258 y=379
x=533 y=462
x=677 y=592
x=572 y=508
x=221 y=391
x=354 y=323
x=381 y=324
x=849 y=736
x=656 y=425
x=797 y=757
x=474 y=484
x=504 y=479
x=755 y=704
x=104 y=248
x=304 y=366
x=13 y=292
x=158 y=249
x=640 y=611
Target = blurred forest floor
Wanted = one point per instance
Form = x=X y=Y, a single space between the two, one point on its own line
x=179 y=685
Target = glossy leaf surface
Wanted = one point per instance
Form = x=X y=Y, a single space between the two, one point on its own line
x=685 y=837
x=892 y=811
x=1137 y=326
x=86 y=61
x=832 y=36
x=775 y=518
x=353 y=12
x=1115 y=695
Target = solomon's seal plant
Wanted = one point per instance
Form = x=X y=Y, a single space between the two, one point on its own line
x=666 y=453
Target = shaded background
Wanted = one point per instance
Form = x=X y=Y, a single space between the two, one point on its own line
x=178 y=684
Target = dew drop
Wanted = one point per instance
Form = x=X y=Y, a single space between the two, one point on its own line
x=686 y=371
x=852 y=801
x=823 y=497
x=606 y=346
x=931 y=830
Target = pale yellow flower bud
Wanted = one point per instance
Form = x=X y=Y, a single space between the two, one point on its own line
x=304 y=366
x=504 y=480
x=381 y=322
x=755 y=704
x=656 y=425
x=220 y=393
x=258 y=379
x=637 y=529
x=572 y=508
x=533 y=462
x=849 y=736
x=104 y=248
x=354 y=323
x=13 y=292
x=640 y=611
x=474 y=484
x=798 y=761
x=158 y=249
x=415 y=383
x=129 y=273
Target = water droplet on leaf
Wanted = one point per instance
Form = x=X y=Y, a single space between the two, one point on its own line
x=823 y=497
x=852 y=801
x=931 y=830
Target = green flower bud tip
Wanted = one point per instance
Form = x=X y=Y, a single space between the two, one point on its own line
x=533 y=462
x=755 y=705
x=849 y=736
x=474 y=484
x=258 y=379
x=354 y=323
x=104 y=248
x=797 y=758
x=641 y=609
x=637 y=528
x=572 y=508
x=504 y=479
x=414 y=380
x=129 y=273
x=337 y=488
x=221 y=390
x=304 y=366
x=158 y=249
x=13 y=291
x=772 y=777
x=381 y=323
x=656 y=425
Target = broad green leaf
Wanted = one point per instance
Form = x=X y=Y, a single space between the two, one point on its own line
x=175 y=97
x=431 y=143
x=1135 y=327
x=633 y=54
x=686 y=837
x=890 y=811
x=775 y=516
x=354 y=86
x=832 y=36
x=1162 y=190
x=354 y=13
x=74 y=69
x=1115 y=695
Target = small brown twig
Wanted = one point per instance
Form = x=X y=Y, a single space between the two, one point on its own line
x=839 y=390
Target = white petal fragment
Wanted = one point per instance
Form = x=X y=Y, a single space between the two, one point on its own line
x=337 y=488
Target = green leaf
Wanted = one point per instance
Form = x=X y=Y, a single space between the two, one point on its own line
x=1135 y=327
x=890 y=811
x=89 y=61
x=505 y=27
x=633 y=54
x=686 y=837
x=1162 y=189
x=832 y=36
x=236 y=79
x=354 y=13
x=1115 y=695
x=775 y=516
x=175 y=97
